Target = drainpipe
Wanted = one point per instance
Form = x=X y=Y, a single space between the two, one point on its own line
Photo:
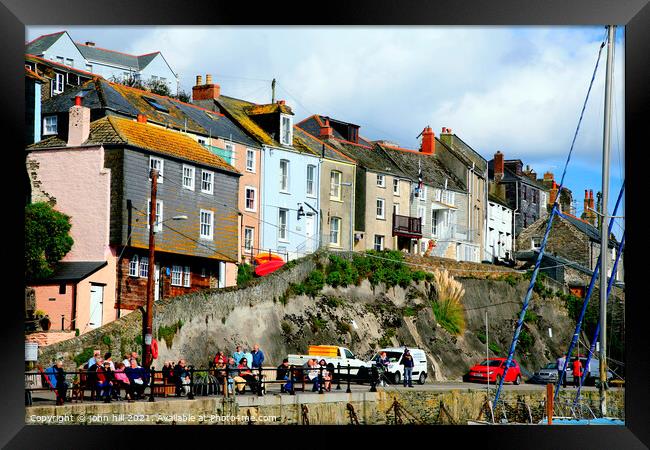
x=73 y=318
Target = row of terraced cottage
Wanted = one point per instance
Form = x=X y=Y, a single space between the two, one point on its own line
x=238 y=178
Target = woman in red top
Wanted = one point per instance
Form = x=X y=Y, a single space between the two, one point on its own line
x=246 y=374
x=577 y=372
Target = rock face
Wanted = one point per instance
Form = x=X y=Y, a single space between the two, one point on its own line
x=362 y=318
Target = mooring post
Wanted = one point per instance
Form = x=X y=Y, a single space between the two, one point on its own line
x=152 y=382
x=549 y=403
x=348 y=390
x=259 y=382
x=320 y=380
x=292 y=377
x=338 y=379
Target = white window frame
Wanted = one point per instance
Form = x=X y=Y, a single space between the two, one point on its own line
x=311 y=190
x=157 y=226
x=283 y=229
x=383 y=208
x=134 y=264
x=187 y=276
x=532 y=243
x=284 y=176
x=45 y=125
x=381 y=242
x=435 y=222
x=335 y=186
x=89 y=68
x=254 y=191
x=249 y=238
x=209 y=225
x=422 y=214
x=210 y=174
x=143 y=271
x=157 y=163
x=381 y=180
x=286 y=135
x=191 y=177
x=337 y=230
x=396 y=186
x=58 y=83
x=177 y=276
x=230 y=146
x=201 y=141
x=71 y=60
x=396 y=209
x=423 y=194
x=250 y=158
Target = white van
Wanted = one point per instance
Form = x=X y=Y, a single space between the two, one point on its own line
x=396 y=369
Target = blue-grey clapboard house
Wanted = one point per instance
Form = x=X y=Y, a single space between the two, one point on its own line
x=60 y=47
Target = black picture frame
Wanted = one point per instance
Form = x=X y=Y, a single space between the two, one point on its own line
x=633 y=14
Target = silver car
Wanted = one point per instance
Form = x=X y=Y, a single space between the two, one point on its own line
x=547 y=374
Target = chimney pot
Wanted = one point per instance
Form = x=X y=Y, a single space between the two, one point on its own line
x=281 y=102
x=142 y=118
x=208 y=79
x=77 y=100
x=199 y=80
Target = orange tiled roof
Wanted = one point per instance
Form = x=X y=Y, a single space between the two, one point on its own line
x=167 y=142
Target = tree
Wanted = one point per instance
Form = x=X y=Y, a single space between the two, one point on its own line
x=46 y=239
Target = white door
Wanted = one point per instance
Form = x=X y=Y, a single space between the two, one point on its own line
x=96 y=306
x=309 y=234
x=156 y=284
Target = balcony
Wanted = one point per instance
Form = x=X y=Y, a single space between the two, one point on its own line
x=405 y=226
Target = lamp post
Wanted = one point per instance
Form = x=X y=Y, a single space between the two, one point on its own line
x=148 y=325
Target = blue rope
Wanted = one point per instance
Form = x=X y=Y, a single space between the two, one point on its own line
x=585 y=303
x=554 y=211
x=592 y=347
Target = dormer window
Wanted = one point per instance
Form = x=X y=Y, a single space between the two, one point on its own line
x=157 y=105
x=286 y=134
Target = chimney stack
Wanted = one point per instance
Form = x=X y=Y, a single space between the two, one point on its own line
x=78 y=123
x=428 y=145
x=207 y=91
x=90 y=44
x=142 y=118
x=326 y=131
x=498 y=166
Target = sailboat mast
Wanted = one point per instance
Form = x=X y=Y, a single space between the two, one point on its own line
x=604 y=238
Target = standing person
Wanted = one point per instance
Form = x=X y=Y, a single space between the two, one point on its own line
x=560 y=365
x=577 y=372
x=181 y=377
x=61 y=384
x=382 y=367
x=257 y=357
x=407 y=362
x=233 y=373
x=238 y=354
x=249 y=357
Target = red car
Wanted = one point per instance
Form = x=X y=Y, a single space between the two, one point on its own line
x=492 y=369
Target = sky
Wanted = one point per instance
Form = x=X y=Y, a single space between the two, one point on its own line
x=519 y=90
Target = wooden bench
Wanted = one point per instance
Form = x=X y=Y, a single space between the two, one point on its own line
x=163 y=389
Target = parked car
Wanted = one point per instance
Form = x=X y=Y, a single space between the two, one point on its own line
x=549 y=373
x=545 y=375
x=332 y=354
x=492 y=370
x=395 y=371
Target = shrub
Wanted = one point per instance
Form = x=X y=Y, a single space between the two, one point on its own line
x=333 y=302
x=286 y=327
x=419 y=275
x=481 y=336
x=526 y=340
x=343 y=327
x=106 y=339
x=494 y=348
x=244 y=274
x=168 y=333
x=334 y=279
x=510 y=279
x=47 y=239
x=409 y=311
x=386 y=340
x=314 y=283
x=530 y=316
x=447 y=307
x=84 y=356
x=317 y=324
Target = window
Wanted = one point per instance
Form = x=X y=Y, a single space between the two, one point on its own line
x=58 y=83
x=50 y=125
x=438 y=195
x=396 y=208
x=203 y=272
x=159 y=165
x=59 y=59
x=154 y=77
x=69 y=62
x=62 y=288
x=434 y=222
x=380 y=208
x=395 y=186
x=335 y=185
x=159 y=215
x=207 y=179
x=284 y=175
x=250 y=160
x=422 y=214
x=285 y=130
x=311 y=173
x=335 y=227
x=187 y=277
x=536 y=243
x=133 y=266
x=177 y=275
x=381 y=180
x=249 y=234
x=423 y=194
x=379 y=242
x=283 y=216
x=201 y=141
x=230 y=150
x=144 y=268
x=188 y=177
x=250 y=198
x=206 y=224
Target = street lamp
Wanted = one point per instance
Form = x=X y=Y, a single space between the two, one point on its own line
x=148 y=325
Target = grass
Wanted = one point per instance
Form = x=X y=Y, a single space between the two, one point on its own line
x=447 y=307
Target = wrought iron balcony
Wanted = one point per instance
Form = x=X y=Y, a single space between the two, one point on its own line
x=407 y=226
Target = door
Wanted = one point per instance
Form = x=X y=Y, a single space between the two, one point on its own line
x=309 y=234
x=156 y=283
x=96 y=306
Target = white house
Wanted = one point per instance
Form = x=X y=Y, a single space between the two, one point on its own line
x=498 y=239
x=59 y=47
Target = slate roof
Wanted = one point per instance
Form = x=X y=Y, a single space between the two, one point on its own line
x=303 y=139
x=313 y=123
x=42 y=43
x=128 y=101
x=434 y=172
x=55 y=65
x=510 y=176
x=73 y=271
x=499 y=200
x=591 y=231
x=118 y=130
x=464 y=152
